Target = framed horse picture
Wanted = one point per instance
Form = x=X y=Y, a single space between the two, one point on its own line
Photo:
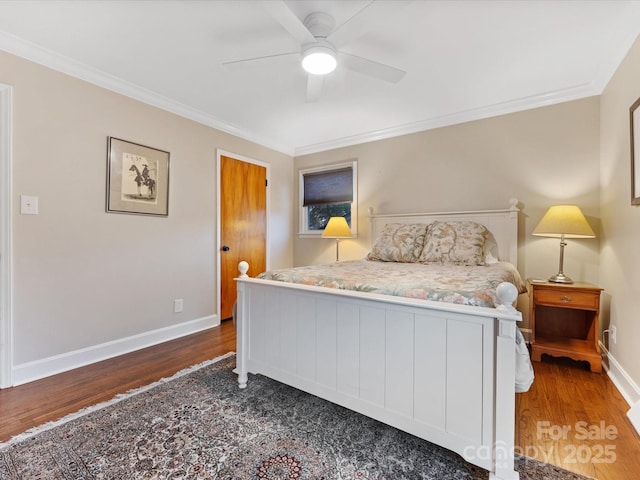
x=137 y=179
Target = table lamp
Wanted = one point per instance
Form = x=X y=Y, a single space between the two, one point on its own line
x=337 y=228
x=563 y=221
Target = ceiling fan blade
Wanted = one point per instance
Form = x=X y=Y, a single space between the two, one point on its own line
x=285 y=17
x=375 y=14
x=281 y=59
x=315 y=83
x=371 y=68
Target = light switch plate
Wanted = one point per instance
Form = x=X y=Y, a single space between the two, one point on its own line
x=28 y=205
x=178 y=305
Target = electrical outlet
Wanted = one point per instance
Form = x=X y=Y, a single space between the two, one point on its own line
x=613 y=333
x=178 y=305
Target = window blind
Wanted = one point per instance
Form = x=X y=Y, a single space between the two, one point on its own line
x=328 y=187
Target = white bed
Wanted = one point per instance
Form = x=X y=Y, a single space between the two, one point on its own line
x=443 y=372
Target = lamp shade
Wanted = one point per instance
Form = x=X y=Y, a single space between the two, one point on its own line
x=337 y=227
x=564 y=220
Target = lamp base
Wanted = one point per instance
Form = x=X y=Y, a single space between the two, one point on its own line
x=560 y=278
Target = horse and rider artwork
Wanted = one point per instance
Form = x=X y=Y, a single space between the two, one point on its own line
x=139 y=178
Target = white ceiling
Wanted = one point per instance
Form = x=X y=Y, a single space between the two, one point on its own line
x=464 y=60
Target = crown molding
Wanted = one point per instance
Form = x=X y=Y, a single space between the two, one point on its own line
x=526 y=103
x=35 y=53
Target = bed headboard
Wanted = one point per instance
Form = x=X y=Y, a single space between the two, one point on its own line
x=503 y=225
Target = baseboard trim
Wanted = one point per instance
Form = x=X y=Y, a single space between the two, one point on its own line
x=30 y=371
x=620 y=378
x=634 y=416
x=625 y=385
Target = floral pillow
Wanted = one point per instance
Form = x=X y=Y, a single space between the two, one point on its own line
x=459 y=243
x=399 y=242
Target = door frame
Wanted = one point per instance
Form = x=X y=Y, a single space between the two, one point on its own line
x=242 y=158
x=6 y=237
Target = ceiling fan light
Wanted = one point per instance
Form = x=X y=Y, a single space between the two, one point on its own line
x=319 y=60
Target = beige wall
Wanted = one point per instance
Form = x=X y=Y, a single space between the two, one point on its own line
x=83 y=277
x=620 y=257
x=542 y=157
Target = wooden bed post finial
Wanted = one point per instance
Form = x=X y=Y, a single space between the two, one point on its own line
x=243 y=268
x=507 y=294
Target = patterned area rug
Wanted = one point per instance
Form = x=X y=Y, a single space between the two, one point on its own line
x=200 y=425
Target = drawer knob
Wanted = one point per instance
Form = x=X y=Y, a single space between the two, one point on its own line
x=565 y=299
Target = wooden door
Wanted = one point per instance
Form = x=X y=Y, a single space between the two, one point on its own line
x=243 y=224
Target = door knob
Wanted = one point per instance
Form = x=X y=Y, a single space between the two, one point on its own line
x=226 y=248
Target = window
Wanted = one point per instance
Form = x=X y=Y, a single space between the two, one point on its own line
x=326 y=192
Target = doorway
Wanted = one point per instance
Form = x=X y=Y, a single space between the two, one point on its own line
x=6 y=233
x=242 y=223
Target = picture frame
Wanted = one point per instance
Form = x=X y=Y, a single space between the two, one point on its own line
x=137 y=179
x=634 y=122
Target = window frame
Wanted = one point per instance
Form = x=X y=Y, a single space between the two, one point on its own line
x=303 y=230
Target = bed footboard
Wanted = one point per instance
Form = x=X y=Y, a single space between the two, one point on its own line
x=442 y=372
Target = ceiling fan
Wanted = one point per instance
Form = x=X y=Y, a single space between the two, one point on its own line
x=319 y=40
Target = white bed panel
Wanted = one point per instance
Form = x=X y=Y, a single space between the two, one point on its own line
x=270 y=336
x=348 y=349
x=327 y=348
x=305 y=339
x=465 y=379
x=399 y=363
x=430 y=377
x=262 y=328
x=371 y=334
x=286 y=346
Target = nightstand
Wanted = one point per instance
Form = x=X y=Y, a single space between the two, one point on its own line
x=564 y=321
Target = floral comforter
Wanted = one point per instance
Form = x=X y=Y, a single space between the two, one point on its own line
x=467 y=285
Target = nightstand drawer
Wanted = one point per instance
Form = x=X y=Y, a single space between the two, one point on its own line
x=567 y=298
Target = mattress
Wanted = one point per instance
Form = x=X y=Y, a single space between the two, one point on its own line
x=467 y=285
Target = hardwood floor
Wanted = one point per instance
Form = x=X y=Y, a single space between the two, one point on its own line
x=53 y=397
x=577 y=420
x=570 y=417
